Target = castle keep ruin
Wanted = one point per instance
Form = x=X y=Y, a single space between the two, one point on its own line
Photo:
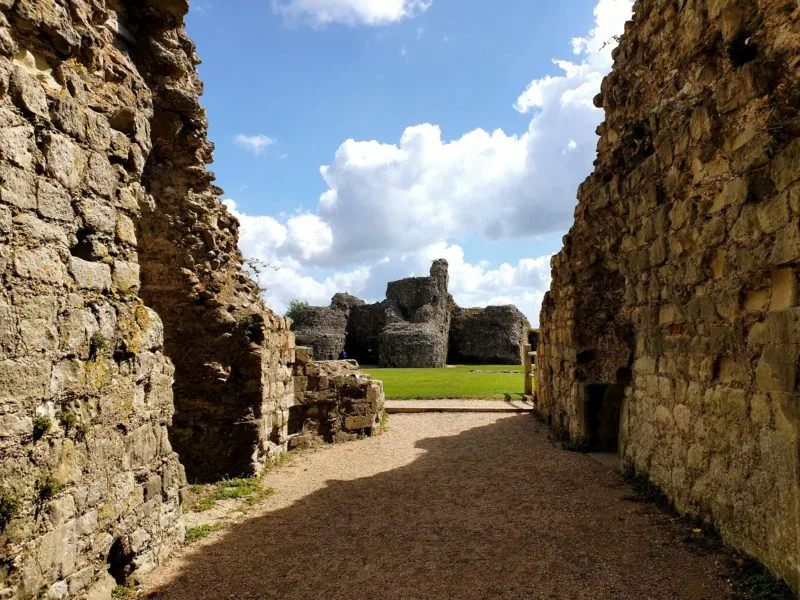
x=121 y=274
x=418 y=325
x=671 y=332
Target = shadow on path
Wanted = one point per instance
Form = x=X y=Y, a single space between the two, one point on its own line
x=494 y=512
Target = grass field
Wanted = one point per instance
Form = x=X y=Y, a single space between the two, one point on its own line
x=462 y=381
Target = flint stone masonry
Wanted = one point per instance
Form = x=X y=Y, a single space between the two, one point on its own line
x=323 y=329
x=671 y=331
x=418 y=325
x=491 y=335
x=334 y=402
x=120 y=276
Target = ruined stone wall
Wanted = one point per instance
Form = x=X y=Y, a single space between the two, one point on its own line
x=364 y=327
x=334 y=401
x=323 y=329
x=487 y=336
x=672 y=327
x=417 y=321
x=116 y=256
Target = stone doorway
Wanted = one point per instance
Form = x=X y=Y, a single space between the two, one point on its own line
x=602 y=416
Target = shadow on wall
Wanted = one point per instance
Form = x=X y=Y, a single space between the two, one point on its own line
x=494 y=512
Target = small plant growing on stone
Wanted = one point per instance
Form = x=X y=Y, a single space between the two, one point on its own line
x=9 y=507
x=97 y=345
x=250 y=490
x=41 y=425
x=250 y=326
x=384 y=421
x=198 y=533
x=47 y=487
x=295 y=311
x=256 y=267
x=68 y=420
x=126 y=590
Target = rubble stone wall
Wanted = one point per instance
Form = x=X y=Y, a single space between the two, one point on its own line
x=322 y=328
x=487 y=336
x=334 y=401
x=117 y=256
x=672 y=327
x=417 y=321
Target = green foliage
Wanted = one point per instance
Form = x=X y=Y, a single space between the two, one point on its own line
x=256 y=266
x=384 y=421
x=295 y=312
x=97 y=345
x=41 y=425
x=250 y=490
x=198 y=533
x=47 y=487
x=9 y=507
x=499 y=382
x=68 y=420
x=126 y=590
x=250 y=326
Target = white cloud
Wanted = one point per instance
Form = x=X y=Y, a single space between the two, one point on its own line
x=390 y=208
x=403 y=51
x=350 y=12
x=254 y=143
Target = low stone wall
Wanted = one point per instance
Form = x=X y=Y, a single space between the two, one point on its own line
x=334 y=401
x=487 y=336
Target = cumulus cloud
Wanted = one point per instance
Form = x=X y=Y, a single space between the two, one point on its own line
x=254 y=143
x=350 y=12
x=391 y=208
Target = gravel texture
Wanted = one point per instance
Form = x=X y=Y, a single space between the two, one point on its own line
x=446 y=506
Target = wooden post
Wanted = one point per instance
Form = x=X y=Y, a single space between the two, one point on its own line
x=526 y=361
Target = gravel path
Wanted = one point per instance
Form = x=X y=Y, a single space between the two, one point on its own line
x=461 y=506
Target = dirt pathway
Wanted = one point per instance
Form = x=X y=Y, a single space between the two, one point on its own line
x=444 y=506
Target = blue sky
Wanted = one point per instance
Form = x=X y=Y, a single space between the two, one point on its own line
x=446 y=127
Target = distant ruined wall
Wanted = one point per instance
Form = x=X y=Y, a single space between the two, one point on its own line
x=417 y=321
x=487 y=336
x=118 y=261
x=672 y=327
x=322 y=328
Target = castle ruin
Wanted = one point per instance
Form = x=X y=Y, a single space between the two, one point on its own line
x=671 y=332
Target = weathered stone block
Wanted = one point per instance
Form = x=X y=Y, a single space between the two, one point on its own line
x=90 y=275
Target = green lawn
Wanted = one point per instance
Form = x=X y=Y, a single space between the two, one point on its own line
x=462 y=381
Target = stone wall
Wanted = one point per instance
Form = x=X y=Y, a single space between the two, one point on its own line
x=323 y=329
x=417 y=321
x=117 y=256
x=418 y=325
x=487 y=336
x=364 y=328
x=672 y=328
x=334 y=401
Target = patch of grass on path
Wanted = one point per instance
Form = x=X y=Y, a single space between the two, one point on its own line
x=206 y=496
x=500 y=382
